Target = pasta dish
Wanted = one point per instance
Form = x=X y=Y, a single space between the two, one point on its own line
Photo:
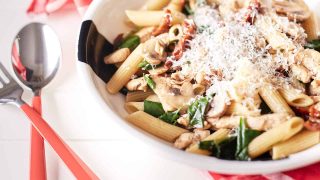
x=233 y=79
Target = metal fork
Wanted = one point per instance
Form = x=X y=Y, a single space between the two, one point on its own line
x=10 y=93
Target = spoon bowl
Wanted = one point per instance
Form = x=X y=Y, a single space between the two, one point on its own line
x=36 y=55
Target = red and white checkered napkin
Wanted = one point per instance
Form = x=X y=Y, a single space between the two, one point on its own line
x=311 y=172
x=50 y=6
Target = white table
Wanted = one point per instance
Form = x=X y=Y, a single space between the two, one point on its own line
x=108 y=150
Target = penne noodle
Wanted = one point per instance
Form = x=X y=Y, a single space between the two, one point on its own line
x=155 y=126
x=175 y=5
x=280 y=133
x=152 y=18
x=136 y=96
x=237 y=109
x=217 y=137
x=312 y=27
x=155 y=4
x=132 y=107
x=274 y=100
x=118 y=56
x=295 y=98
x=125 y=71
x=297 y=143
x=261 y=123
x=145 y=33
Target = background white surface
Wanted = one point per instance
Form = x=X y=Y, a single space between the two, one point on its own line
x=108 y=150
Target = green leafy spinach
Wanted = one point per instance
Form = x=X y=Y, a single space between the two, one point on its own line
x=314 y=44
x=153 y=108
x=149 y=81
x=131 y=42
x=196 y=112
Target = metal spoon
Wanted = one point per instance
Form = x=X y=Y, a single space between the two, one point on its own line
x=36 y=55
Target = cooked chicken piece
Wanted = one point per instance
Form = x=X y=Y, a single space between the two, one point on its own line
x=261 y=123
x=314 y=88
x=218 y=107
x=184 y=120
x=137 y=84
x=301 y=73
x=310 y=58
x=172 y=96
x=295 y=10
x=184 y=140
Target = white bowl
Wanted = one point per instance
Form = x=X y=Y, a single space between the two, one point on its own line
x=104 y=20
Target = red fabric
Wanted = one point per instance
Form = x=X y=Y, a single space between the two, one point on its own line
x=50 y=6
x=311 y=172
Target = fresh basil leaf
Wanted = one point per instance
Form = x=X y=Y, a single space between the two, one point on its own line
x=244 y=137
x=207 y=145
x=196 y=112
x=170 y=117
x=153 y=108
x=130 y=42
x=145 y=65
x=314 y=44
x=149 y=81
x=223 y=150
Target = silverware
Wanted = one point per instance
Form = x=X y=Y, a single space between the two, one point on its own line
x=10 y=93
x=36 y=54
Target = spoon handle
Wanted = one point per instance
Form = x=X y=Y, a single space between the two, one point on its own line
x=79 y=169
x=37 y=156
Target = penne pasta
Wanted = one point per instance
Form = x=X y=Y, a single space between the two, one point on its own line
x=125 y=71
x=297 y=143
x=145 y=33
x=312 y=27
x=155 y=4
x=296 y=98
x=274 y=100
x=280 y=133
x=132 y=107
x=237 y=109
x=136 y=96
x=153 y=98
x=175 y=5
x=155 y=126
x=152 y=18
x=217 y=137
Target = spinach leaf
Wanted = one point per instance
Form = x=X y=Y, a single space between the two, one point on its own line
x=153 y=108
x=314 y=44
x=149 y=81
x=187 y=9
x=144 y=65
x=244 y=137
x=223 y=150
x=170 y=117
x=130 y=42
x=196 y=112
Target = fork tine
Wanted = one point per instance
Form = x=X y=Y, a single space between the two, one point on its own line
x=5 y=72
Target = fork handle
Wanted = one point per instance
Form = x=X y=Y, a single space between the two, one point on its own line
x=79 y=169
x=37 y=153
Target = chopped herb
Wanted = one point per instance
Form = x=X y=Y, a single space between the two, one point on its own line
x=149 y=81
x=244 y=137
x=153 y=108
x=187 y=9
x=170 y=117
x=130 y=42
x=145 y=65
x=314 y=44
x=196 y=112
x=223 y=150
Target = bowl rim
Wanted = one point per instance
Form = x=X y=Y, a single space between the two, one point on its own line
x=89 y=79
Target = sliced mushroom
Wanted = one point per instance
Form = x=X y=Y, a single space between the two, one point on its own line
x=295 y=10
x=137 y=84
x=154 y=49
x=218 y=107
x=179 y=78
x=172 y=96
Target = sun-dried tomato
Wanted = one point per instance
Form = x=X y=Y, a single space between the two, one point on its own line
x=189 y=31
x=312 y=125
x=164 y=24
x=253 y=8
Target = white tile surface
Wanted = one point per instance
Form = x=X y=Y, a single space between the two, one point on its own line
x=110 y=151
